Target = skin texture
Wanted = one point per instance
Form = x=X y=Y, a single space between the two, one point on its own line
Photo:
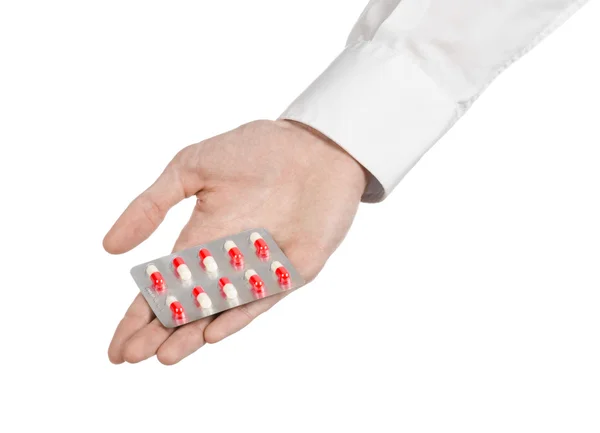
x=280 y=175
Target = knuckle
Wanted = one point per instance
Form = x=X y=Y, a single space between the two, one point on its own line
x=246 y=311
x=181 y=161
x=182 y=156
x=153 y=212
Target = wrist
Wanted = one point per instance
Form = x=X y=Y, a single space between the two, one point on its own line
x=347 y=169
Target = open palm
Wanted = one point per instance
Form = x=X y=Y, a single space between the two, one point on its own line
x=279 y=175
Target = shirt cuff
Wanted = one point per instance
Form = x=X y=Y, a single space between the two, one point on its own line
x=378 y=105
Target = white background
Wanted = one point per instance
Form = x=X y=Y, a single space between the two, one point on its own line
x=480 y=273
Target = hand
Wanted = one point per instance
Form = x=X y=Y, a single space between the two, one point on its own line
x=279 y=175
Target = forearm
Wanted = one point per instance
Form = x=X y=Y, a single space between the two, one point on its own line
x=411 y=69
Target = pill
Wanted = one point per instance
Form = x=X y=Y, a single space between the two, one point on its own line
x=262 y=249
x=229 y=291
x=282 y=273
x=255 y=281
x=237 y=258
x=208 y=261
x=202 y=297
x=181 y=269
x=175 y=307
x=158 y=282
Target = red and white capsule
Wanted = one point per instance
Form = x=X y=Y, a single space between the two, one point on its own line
x=237 y=258
x=202 y=297
x=227 y=289
x=257 y=284
x=208 y=261
x=262 y=249
x=181 y=269
x=158 y=282
x=283 y=276
x=175 y=307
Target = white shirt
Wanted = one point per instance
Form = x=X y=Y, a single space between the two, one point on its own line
x=411 y=69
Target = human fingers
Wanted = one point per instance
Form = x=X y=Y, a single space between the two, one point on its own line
x=307 y=262
x=137 y=316
x=179 y=180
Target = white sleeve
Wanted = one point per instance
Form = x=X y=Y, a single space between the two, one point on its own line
x=411 y=68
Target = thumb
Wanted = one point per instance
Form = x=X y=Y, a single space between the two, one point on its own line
x=178 y=181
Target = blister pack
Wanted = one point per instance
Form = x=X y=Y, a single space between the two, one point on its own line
x=208 y=279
